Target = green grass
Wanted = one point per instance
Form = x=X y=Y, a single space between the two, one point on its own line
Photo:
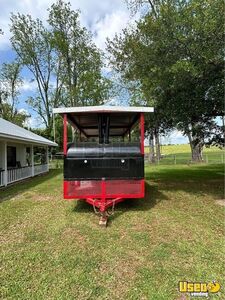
x=181 y=154
x=54 y=249
x=183 y=148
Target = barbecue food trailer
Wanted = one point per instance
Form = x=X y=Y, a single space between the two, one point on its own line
x=103 y=165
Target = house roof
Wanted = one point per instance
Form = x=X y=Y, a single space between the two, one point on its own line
x=11 y=131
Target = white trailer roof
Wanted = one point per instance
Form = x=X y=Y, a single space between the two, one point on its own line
x=86 y=120
x=102 y=108
x=11 y=131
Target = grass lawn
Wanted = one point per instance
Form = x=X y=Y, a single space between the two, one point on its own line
x=183 y=148
x=181 y=154
x=54 y=249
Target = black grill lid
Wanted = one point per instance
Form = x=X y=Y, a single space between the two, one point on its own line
x=103 y=150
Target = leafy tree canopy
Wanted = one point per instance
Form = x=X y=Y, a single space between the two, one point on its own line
x=10 y=82
x=62 y=58
x=175 y=54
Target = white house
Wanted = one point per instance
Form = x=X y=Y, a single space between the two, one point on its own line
x=23 y=154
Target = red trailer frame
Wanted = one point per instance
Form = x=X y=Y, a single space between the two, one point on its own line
x=101 y=193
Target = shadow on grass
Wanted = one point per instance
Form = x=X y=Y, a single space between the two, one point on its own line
x=17 y=188
x=152 y=197
x=205 y=180
x=184 y=172
x=196 y=180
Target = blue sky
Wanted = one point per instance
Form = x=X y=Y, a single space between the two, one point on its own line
x=103 y=18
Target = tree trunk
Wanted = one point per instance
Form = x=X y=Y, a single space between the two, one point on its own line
x=157 y=145
x=196 y=149
x=223 y=124
x=196 y=152
x=151 y=148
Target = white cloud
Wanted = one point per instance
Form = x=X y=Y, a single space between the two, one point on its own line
x=28 y=122
x=108 y=26
x=102 y=17
x=35 y=8
x=31 y=85
x=28 y=85
x=4 y=39
x=23 y=111
x=175 y=137
x=32 y=121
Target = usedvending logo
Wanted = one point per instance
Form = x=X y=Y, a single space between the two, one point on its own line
x=199 y=289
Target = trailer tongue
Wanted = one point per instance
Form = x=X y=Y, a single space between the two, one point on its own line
x=103 y=165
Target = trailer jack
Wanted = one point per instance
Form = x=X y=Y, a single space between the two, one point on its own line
x=103 y=219
x=102 y=207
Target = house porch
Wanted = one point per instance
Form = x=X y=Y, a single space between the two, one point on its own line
x=19 y=161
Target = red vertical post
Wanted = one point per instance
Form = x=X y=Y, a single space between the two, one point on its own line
x=142 y=128
x=65 y=134
x=103 y=198
x=142 y=188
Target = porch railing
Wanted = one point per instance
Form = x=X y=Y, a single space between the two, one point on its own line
x=2 y=177
x=38 y=169
x=16 y=174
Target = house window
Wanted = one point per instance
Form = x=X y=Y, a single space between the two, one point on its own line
x=11 y=156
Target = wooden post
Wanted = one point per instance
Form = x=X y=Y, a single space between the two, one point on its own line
x=47 y=159
x=142 y=127
x=54 y=127
x=65 y=134
x=32 y=160
x=5 y=177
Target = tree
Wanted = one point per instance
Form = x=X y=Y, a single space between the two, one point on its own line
x=81 y=59
x=177 y=56
x=10 y=82
x=32 y=43
x=64 y=61
x=146 y=5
